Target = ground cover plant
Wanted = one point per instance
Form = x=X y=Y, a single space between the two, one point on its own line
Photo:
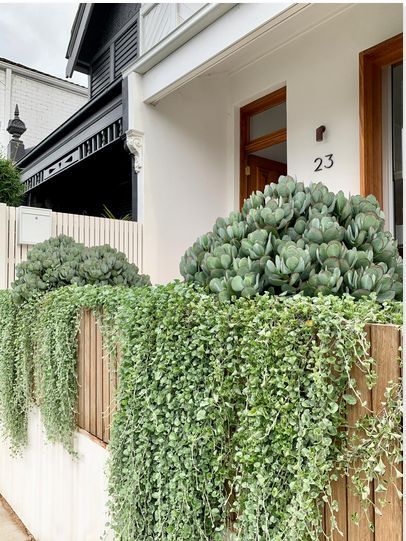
x=230 y=414
x=294 y=238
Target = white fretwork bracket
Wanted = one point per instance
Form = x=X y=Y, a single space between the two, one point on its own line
x=135 y=144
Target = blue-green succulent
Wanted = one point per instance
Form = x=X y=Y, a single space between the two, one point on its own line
x=61 y=261
x=293 y=238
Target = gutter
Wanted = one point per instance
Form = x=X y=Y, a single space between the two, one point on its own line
x=45 y=78
x=178 y=37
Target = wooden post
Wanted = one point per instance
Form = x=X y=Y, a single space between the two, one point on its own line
x=362 y=531
x=385 y=343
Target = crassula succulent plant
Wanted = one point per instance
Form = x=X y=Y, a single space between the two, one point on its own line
x=293 y=238
x=61 y=261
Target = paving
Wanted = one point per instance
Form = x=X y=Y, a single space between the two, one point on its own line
x=11 y=528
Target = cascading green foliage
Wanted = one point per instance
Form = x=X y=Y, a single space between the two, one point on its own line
x=16 y=373
x=61 y=261
x=226 y=412
x=237 y=410
x=38 y=357
x=294 y=238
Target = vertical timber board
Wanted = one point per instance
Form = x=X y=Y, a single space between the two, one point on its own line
x=81 y=230
x=87 y=371
x=92 y=230
x=112 y=387
x=362 y=531
x=106 y=397
x=70 y=225
x=53 y=224
x=81 y=371
x=339 y=494
x=121 y=247
x=116 y=225
x=140 y=247
x=130 y=242
x=105 y=233
x=385 y=343
x=99 y=384
x=65 y=224
x=87 y=231
x=93 y=368
x=75 y=234
x=97 y=231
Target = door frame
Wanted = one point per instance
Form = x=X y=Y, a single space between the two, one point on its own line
x=246 y=145
x=371 y=62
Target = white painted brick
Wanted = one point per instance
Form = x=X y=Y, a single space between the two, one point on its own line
x=43 y=107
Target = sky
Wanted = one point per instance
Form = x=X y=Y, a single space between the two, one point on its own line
x=37 y=35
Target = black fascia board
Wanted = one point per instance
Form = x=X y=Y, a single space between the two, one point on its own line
x=75 y=29
x=79 y=29
x=75 y=120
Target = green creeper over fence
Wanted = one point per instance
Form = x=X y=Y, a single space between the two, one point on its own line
x=229 y=414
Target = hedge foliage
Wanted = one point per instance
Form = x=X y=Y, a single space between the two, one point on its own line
x=227 y=411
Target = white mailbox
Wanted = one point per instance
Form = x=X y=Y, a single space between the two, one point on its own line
x=34 y=225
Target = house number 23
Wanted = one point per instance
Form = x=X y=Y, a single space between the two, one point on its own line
x=326 y=162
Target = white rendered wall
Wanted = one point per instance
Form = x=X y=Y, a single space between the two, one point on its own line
x=185 y=172
x=44 y=104
x=56 y=497
x=191 y=165
x=321 y=72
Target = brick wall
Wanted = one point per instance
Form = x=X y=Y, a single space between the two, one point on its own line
x=44 y=105
x=2 y=109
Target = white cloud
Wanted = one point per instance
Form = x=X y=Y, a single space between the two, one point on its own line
x=37 y=35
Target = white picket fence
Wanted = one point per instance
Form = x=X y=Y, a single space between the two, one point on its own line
x=123 y=235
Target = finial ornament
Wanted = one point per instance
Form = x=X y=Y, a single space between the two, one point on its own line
x=16 y=126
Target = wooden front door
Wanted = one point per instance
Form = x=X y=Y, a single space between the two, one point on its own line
x=263 y=142
x=262 y=171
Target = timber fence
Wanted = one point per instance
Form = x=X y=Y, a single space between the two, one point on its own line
x=98 y=379
x=125 y=236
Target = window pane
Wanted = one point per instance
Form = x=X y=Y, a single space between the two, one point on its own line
x=277 y=153
x=268 y=121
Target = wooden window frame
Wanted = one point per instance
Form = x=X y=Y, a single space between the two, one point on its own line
x=371 y=62
x=246 y=145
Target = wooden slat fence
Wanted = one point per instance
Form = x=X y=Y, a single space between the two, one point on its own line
x=385 y=341
x=98 y=381
x=125 y=236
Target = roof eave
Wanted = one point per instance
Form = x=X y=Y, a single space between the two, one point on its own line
x=79 y=28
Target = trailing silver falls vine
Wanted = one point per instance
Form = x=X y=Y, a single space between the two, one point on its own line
x=230 y=415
